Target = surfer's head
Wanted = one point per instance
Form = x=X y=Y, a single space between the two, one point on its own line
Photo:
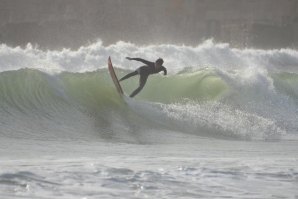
x=158 y=63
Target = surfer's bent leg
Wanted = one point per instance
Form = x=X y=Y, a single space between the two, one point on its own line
x=143 y=79
x=129 y=75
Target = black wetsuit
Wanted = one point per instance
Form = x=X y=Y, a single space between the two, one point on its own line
x=144 y=72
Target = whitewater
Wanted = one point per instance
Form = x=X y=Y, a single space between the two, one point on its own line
x=222 y=124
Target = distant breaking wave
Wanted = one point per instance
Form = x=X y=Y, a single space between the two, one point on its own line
x=94 y=56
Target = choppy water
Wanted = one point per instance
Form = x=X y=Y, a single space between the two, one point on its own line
x=223 y=123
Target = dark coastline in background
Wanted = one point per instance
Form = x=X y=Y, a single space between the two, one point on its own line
x=54 y=24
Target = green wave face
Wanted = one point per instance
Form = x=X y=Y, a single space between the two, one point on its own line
x=202 y=85
x=205 y=103
x=287 y=83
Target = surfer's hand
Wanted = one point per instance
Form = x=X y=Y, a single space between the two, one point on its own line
x=128 y=58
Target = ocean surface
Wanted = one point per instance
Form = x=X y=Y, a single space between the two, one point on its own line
x=222 y=124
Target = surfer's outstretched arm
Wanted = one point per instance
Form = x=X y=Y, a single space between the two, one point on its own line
x=140 y=60
x=143 y=80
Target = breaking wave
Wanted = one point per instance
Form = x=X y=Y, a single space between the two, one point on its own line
x=212 y=90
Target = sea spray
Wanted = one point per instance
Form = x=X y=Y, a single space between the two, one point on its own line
x=177 y=57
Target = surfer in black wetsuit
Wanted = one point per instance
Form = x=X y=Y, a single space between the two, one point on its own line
x=144 y=72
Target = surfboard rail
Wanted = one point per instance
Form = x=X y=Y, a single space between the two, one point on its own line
x=114 y=77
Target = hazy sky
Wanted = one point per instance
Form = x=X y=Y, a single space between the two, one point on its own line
x=72 y=23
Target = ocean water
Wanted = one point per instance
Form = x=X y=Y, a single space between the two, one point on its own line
x=222 y=124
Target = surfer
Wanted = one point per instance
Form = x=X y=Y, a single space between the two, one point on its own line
x=144 y=72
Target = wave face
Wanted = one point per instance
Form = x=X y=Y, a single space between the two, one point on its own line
x=212 y=90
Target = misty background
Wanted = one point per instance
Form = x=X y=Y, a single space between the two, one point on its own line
x=54 y=24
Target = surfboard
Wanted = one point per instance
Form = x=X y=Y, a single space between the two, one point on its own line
x=114 y=77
